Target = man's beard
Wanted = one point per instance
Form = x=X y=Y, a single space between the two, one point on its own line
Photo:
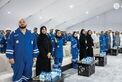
x=22 y=27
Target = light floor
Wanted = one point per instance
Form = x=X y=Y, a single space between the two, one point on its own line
x=112 y=72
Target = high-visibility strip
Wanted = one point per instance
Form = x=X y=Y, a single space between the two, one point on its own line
x=20 y=80
x=9 y=53
x=25 y=78
x=36 y=52
x=8 y=50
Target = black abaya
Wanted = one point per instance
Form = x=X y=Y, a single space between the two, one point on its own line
x=43 y=62
x=82 y=43
x=90 y=45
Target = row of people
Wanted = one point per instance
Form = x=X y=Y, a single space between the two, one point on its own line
x=107 y=40
x=58 y=40
x=24 y=48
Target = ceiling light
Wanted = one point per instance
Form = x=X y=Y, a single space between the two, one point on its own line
x=9 y=12
x=87 y=12
x=40 y=17
x=71 y=6
x=116 y=5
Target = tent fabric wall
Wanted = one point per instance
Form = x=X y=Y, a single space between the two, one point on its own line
x=111 y=19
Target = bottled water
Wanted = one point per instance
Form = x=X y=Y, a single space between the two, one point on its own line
x=87 y=60
x=115 y=47
x=54 y=74
x=42 y=76
x=58 y=71
x=48 y=77
x=102 y=54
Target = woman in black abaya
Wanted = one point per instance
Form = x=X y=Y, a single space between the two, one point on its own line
x=43 y=63
x=83 y=45
x=90 y=44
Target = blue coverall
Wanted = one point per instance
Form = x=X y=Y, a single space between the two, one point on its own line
x=52 y=39
x=107 y=42
x=59 y=42
x=22 y=48
x=36 y=35
x=6 y=40
x=74 y=51
x=102 y=43
x=2 y=43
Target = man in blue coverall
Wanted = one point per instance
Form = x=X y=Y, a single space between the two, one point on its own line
x=52 y=39
x=2 y=42
x=35 y=32
x=22 y=51
x=102 y=42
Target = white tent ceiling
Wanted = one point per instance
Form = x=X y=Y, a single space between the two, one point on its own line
x=52 y=13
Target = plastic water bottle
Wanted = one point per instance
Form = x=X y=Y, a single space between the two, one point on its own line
x=48 y=77
x=42 y=77
x=102 y=54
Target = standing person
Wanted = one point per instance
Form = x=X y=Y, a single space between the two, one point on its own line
x=7 y=34
x=111 y=38
x=113 y=34
x=117 y=39
x=35 y=32
x=22 y=51
x=102 y=42
x=74 y=49
x=90 y=44
x=59 y=42
x=94 y=36
x=121 y=39
x=43 y=63
x=64 y=36
x=69 y=35
x=78 y=34
x=107 y=41
x=83 y=44
x=2 y=42
x=52 y=39
x=97 y=40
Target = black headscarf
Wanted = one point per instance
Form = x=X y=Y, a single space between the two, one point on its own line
x=82 y=35
x=89 y=39
x=56 y=34
x=42 y=29
x=75 y=36
x=88 y=33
